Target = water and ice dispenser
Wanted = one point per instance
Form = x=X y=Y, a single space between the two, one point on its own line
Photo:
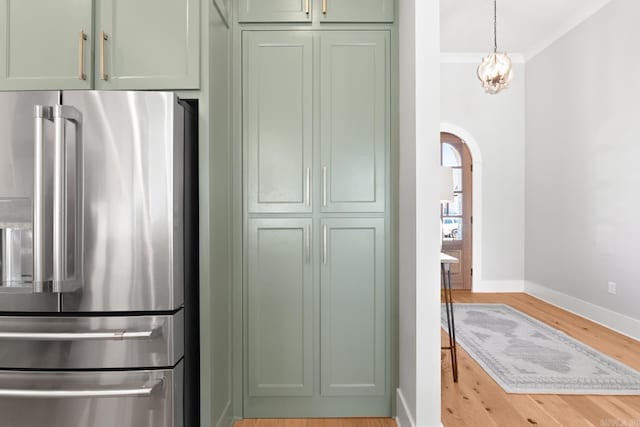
x=16 y=243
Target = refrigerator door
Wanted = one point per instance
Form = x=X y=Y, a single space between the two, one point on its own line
x=149 y=398
x=17 y=169
x=133 y=201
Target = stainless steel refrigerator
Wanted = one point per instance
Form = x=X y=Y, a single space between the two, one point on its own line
x=98 y=260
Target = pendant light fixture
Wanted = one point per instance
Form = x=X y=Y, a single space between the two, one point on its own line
x=495 y=71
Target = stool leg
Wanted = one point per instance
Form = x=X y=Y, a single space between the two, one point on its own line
x=454 y=352
x=446 y=277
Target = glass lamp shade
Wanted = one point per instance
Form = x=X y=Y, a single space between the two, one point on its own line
x=446 y=185
x=495 y=72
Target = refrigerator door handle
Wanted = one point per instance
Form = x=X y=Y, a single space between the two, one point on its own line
x=40 y=190
x=79 y=336
x=145 y=390
x=61 y=114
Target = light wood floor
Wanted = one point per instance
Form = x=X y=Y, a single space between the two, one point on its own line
x=476 y=400
x=317 y=422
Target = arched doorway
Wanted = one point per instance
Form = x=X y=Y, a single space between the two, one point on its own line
x=457 y=216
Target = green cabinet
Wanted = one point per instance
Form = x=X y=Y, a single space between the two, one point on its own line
x=274 y=10
x=147 y=44
x=279 y=307
x=353 y=307
x=45 y=44
x=119 y=44
x=316 y=138
x=317 y=312
x=357 y=11
x=354 y=120
x=280 y=114
x=304 y=10
x=277 y=120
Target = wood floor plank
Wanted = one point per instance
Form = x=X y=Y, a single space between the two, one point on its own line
x=534 y=413
x=586 y=408
x=461 y=404
x=631 y=401
x=617 y=408
x=541 y=410
x=485 y=393
x=564 y=413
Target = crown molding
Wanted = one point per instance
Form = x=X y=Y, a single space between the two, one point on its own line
x=567 y=26
x=474 y=58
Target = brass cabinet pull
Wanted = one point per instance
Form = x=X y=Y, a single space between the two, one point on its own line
x=308 y=244
x=308 y=187
x=103 y=37
x=81 y=38
x=306 y=7
x=324 y=7
x=324 y=186
x=324 y=244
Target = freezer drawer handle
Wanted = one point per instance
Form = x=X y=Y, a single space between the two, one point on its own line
x=77 y=336
x=144 y=391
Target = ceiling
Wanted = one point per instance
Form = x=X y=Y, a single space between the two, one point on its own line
x=524 y=26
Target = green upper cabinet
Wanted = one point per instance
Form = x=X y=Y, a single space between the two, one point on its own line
x=147 y=44
x=277 y=117
x=45 y=44
x=354 y=301
x=354 y=120
x=274 y=10
x=142 y=44
x=356 y=11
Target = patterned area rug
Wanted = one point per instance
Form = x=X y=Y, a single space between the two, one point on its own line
x=524 y=355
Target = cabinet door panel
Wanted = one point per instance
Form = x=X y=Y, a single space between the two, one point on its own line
x=274 y=11
x=277 y=121
x=279 y=307
x=358 y=11
x=39 y=46
x=353 y=308
x=150 y=44
x=354 y=120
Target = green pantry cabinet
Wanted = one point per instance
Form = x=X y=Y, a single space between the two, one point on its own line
x=316 y=136
x=304 y=10
x=101 y=44
x=353 y=121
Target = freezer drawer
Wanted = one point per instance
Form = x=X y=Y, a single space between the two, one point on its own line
x=148 y=398
x=91 y=342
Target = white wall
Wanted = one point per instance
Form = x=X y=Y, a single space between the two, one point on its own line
x=582 y=163
x=418 y=394
x=497 y=124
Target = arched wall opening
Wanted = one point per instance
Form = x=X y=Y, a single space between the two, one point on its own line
x=476 y=205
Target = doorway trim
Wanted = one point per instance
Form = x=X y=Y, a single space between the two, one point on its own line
x=476 y=201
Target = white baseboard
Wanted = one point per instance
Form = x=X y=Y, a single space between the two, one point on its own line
x=404 y=418
x=493 y=286
x=610 y=319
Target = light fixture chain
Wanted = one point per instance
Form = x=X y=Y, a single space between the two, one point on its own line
x=495 y=26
